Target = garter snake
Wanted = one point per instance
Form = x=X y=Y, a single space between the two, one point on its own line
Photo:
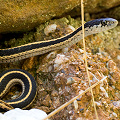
x=17 y=76
x=38 y=48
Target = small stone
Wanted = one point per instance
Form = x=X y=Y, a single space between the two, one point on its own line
x=50 y=29
x=44 y=108
x=81 y=51
x=47 y=101
x=82 y=110
x=60 y=59
x=98 y=104
x=114 y=114
x=56 y=102
x=54 y=93
x=51 y=55
x=75 y=105
x=65 y=50
x=71 y=27
x=116 y=103
x=118 y=57
x=78 y=99
x=62 y=71
x=111 y=65
x=70 y=81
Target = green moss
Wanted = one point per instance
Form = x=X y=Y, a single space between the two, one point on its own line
x=27 y=38
x=39 y=35
x=74 y=22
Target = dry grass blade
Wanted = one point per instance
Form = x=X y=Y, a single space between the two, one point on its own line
x=5 y=105
x=82 y=14
x=73 y=99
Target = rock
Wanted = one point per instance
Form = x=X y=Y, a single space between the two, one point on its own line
x=54 y=93
x=25 y=15
x=47 y=101
x=95 y=7
x=56 y=102
x=114 y=13
x=44 y=108
x=70 y=81
x=116 y=103
x=50 y=29
x=18 y=114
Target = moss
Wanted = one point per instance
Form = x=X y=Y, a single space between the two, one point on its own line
x=39 y=34
x=27 y=38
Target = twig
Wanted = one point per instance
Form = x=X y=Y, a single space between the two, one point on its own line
x=5 y=105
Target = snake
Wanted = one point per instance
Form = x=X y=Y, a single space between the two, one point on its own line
x=13 y=76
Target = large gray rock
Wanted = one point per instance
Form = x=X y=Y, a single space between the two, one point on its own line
x=24 y=15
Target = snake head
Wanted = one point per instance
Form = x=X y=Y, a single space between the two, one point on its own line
x=108 y=22
x=99 y=25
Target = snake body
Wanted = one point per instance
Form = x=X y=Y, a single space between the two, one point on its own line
x=17 y=76
x=38 y=48
x=41 y=47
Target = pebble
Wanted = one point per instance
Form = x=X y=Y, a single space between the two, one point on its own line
x=70 y=81
x=65 y=50
x=98 y=104
x=50 y=29
x=71 y=27
x=116 y=103
x=51 y=55
x=54 y=93
x=118 y=57
x=113 y=115
x=75 y=105
x=60 y=59
x=104 y=91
